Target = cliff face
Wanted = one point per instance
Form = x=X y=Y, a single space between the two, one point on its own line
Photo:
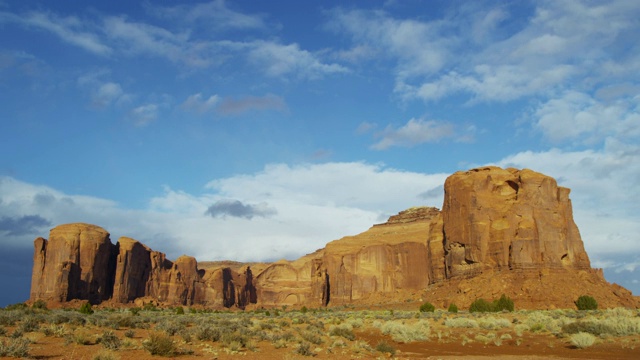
x=500 y=231
x=508 y=219
x=76 y=262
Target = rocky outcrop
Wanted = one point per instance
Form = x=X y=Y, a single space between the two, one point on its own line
x=77 y=262
x=508 y=219
x=500 y=231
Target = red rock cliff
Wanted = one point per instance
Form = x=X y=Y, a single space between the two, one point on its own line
x=500 y=231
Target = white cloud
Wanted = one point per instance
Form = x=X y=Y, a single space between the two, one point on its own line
x=214 y=15
x=69 y=29
x=278 y=60
x=578 y=116
x=198 y=104
x=140 y=38
x=144 y=114
x=420 y=47
x=414 y=132
x=563 y=44
x=287 y=211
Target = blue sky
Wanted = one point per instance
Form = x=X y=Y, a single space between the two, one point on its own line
x=262 y=130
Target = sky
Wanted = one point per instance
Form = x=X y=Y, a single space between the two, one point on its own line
x=261 y=130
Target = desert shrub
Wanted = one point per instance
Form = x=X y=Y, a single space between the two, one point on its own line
x=461 y=322
x=15 y=347
x=110 y=340
x=427 y=307
x=3 y=331
x=453 y=308
x=206 y=332
x=614 y=326
x=586 y=302
x=504 y=303
x=80 y=337
x=29 y=324
x=129 y=333
x=405 y=333
x=344 y=330
x=86 y=309
x=304 y=349
x=384 y=347
x=582 y=340
x=491 y=323
x=9 y=318
x=304 y=310
x=179 y=310
x=134 y=311
x=17 y=306
x=159 y=344
x=54 y=330
x=312 y=336
x=481 y=305
x=105 y=355
x=39 y=304
x=170 y=326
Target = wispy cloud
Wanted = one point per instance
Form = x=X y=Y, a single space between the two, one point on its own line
x=278 y=60
x=235 y=106
x=414 y=132
x=214 y=15
x=144 y=114
x=199 y=104
x=70 y=29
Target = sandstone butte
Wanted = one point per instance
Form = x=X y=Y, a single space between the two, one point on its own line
x=500 y=231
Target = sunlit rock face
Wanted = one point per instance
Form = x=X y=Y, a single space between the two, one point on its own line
x=500 y=231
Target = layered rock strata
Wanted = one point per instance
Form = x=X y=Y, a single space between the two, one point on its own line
x=500 y=231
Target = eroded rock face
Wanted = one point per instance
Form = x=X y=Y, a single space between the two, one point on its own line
x=508 y=219
x=77 y=262
x=500 y=231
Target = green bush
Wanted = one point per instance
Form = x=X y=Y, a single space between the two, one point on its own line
x=179 y=310
x=586 y=302
x=504 y=303
x=39 y=304
x=427 y=307
x=86 y=309
x=384 y=347
x=481 y=305
x=453 y=308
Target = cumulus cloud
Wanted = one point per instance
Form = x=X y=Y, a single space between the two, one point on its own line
x=576 y=116
x=236 y=208
x=293 y=210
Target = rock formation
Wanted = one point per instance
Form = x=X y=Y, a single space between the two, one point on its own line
x=500 y=231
